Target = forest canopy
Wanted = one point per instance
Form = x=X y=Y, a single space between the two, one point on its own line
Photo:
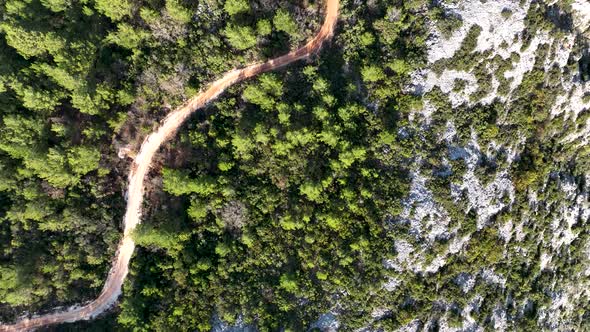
x=336 y=186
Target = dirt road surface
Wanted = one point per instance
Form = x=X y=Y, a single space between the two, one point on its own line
x=141 y=165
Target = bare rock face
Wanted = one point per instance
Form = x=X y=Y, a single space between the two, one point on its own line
x=490 y=61
x=581 y=15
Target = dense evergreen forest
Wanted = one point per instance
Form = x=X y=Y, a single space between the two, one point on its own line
x=289 y=197
x=78 y=81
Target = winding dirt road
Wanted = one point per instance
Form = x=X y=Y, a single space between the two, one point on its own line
x=141 y=165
